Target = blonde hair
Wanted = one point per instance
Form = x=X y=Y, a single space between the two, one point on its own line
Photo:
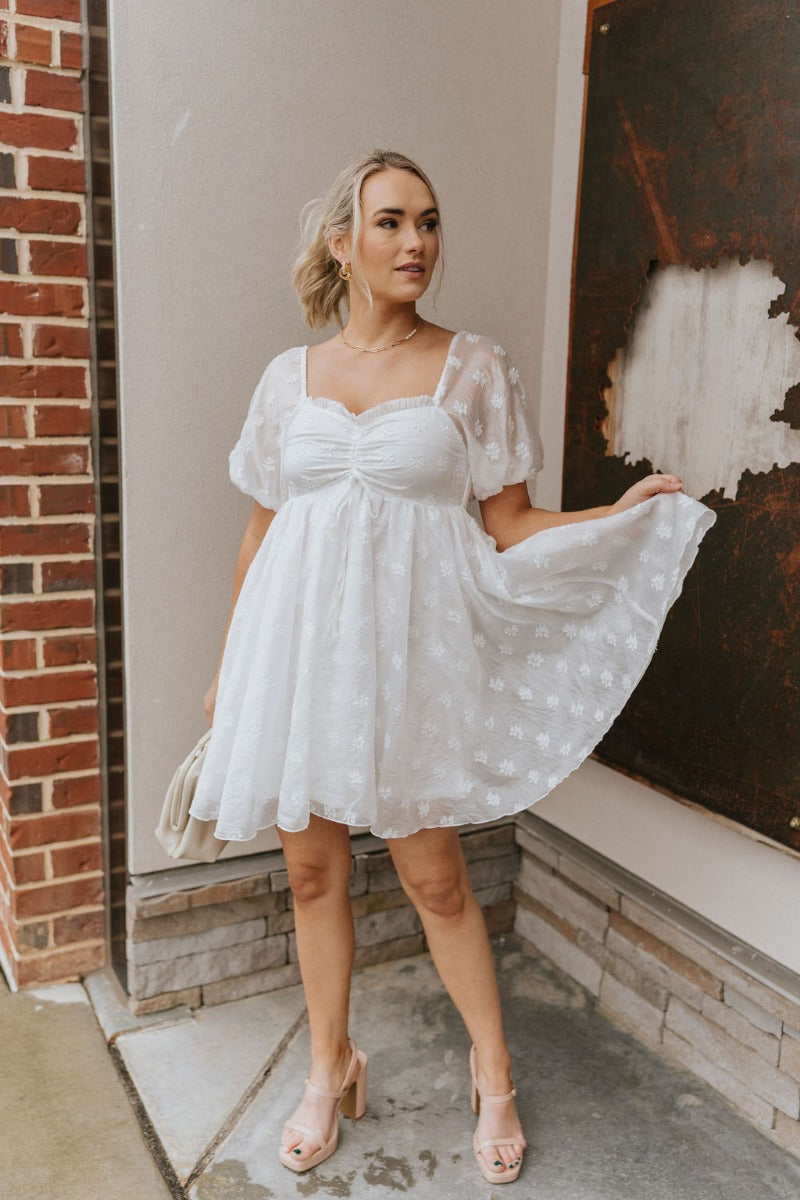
x=315 y=274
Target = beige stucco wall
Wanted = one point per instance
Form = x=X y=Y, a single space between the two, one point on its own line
x=226 y=119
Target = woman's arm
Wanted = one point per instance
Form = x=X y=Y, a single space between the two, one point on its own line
x=257 y=527
x=509 y=518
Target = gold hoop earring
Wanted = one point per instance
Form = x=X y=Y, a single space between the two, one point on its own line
x=345 y=271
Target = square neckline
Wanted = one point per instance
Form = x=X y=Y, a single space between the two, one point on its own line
x=432 y=396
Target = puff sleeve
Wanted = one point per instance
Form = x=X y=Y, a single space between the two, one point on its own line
x=254 y=462
x=488 y=399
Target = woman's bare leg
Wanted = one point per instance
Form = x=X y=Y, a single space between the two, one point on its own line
x=318 y=862
x=433 y=873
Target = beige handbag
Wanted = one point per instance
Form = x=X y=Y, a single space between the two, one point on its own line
x=182 y=835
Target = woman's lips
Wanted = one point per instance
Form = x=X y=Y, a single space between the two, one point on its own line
x=415 y=270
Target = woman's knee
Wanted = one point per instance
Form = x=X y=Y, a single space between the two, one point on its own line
x=441 y=895
x=316 y=879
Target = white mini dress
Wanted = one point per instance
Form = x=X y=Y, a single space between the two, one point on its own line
x=386 y=665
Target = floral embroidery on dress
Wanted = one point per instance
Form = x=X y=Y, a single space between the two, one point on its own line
x=386 y=666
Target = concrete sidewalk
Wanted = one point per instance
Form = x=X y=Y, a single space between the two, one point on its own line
x=605 y=1118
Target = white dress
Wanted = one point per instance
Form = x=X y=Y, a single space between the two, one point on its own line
x=386 y=666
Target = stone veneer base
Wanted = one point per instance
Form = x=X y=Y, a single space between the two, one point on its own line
x=208 y=933
x=681 y=985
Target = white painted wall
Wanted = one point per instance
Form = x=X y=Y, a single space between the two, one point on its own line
x=225 y=120
x=725 y=872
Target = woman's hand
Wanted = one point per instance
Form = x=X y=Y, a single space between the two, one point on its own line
x=651 y=485
x=210 y=699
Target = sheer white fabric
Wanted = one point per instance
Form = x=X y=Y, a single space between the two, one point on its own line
x=386 y=666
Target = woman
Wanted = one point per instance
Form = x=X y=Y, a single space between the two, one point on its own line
x=387 y=663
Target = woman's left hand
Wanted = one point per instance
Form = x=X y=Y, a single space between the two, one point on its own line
x=651 y=485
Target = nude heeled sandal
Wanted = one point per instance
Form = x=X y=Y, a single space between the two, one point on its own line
x=510 y=1173
x=351 y=1099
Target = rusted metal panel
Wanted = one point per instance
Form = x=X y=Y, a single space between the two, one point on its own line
x=692 y=156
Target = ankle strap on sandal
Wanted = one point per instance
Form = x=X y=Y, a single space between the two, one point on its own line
x=498 y=1099
x=346 y=1085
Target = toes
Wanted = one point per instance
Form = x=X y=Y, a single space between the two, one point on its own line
x=292 y=1143
x=493 y=1160
x=289 y=1140
x=499 y=1158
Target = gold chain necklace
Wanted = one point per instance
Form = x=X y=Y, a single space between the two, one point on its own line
x=380 y=349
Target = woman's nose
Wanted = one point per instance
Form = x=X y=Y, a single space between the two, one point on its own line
x=414 y=239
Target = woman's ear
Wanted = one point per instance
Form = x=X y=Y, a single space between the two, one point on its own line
x=335 y=246
x=339 y=247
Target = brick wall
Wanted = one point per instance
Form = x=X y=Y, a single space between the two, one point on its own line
x=51 y=867
x=718 y=1009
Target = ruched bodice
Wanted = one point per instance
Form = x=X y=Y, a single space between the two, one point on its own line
x=386 y=666
x=404 y=449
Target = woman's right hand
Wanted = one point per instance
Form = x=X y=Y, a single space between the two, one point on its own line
x=210 y=699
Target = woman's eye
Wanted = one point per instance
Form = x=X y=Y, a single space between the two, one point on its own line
x=388 y=223
x=432 y=224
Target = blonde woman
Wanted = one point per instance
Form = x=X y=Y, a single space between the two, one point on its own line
x=388 y=663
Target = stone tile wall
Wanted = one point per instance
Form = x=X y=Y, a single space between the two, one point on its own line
x=223 y=941
x=711 y=1009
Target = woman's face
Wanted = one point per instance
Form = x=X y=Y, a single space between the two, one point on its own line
x=399 y=237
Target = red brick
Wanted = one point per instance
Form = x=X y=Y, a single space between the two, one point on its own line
x=58 y=258
x=78 y=927
x=19 y=727
x=36 y=459
x=50 y=90
x=12 y=421
x=41 y=299
x=40 y=214
x=62 y=420
x=50 y=174
x=11 y=340
x=58 y=897
x=28 y=868
x=46 y=380
x=49 y=687
x=14 y=500
x=60 y=10
x=24 y=615
x=46 y=828
x=16 y=578
x=61 y=341
x=55 y=966
x=77 y=860
x=41 y=130
x=68 y=576
x=71 y=50
x=33 y=935
x=64 y=722
x=18 y=654
x=62 y=499
x=68 y=649
x=34 y=44
x=56 y=537
x=48 y=759
x=80 y=789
